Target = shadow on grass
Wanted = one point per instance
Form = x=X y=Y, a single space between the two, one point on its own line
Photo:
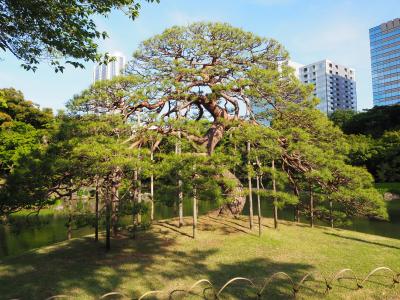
x=82 y=267
x=361 y=240
x=257 y=270
x=169 y=226
x=158 y=260
x=78 y=265
x=229 y=226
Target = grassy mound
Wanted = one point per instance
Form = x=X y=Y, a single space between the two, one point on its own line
x=167 y=258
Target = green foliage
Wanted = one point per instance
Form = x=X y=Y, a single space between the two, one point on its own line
x=61 y=32
x=14 y=107
x=374 y=121
x=204 y=173
x=315 y=155
x=387 y=160
x=17 y=140
x=342 y=117
x=24 y=132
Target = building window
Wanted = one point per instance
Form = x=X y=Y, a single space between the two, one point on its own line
x=305 y=70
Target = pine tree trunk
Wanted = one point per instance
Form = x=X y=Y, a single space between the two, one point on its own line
x=108 y=220
x=259 y=205
x=297 y=212
x=178 y=151
x=135 y=197
x=331 y=212
x=96 y=224
x=250 y=189
x=69 y=223
x=213 y=136
x=139 y=200
x=194 y=212
x=152 y=185
x=311 y=207
x=114 y=200
x=235 y=207
x=274 y=191
x=180 y=203
x=297 y=207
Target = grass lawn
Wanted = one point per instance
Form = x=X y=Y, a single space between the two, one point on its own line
x=167 y=258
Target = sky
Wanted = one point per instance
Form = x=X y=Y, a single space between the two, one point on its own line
x=311 y=30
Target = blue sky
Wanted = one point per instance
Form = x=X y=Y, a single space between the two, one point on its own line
x=310 y=30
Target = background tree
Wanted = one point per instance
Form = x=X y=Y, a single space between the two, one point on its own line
x=14 y=107
x=341 y=117
x=374 y=143
x=373 y=122
x=24 y=134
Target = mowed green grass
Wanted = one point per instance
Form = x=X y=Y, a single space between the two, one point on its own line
x=166 y=258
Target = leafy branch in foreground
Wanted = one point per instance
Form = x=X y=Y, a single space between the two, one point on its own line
x=60 y=32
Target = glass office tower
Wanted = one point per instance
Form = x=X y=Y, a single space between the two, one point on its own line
x=385 y=62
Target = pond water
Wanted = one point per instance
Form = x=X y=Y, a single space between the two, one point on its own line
x=50 y=228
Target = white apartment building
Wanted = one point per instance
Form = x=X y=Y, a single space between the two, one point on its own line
x=335 y=85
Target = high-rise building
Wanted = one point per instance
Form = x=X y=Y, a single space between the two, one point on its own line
x=110 y=70
x=385 y=62
x=296 y=66
x=335 y=85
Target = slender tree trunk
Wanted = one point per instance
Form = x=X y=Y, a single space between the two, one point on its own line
x=96 y=224
x=331 y=212
x=152 y=184
x=135 y=197
x=114 y=200
x=311 y=207
x=180 y=203
x=108 y=219
x=259 y=205
x=297 y=207
x=69 y=223
x=297 y=212
x=274 y=191
x=178 y=151
x=250 y=189
x=139 y=200
x=194 y=212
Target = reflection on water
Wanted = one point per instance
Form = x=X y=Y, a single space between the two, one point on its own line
x=18 y=239
x=21 y=237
